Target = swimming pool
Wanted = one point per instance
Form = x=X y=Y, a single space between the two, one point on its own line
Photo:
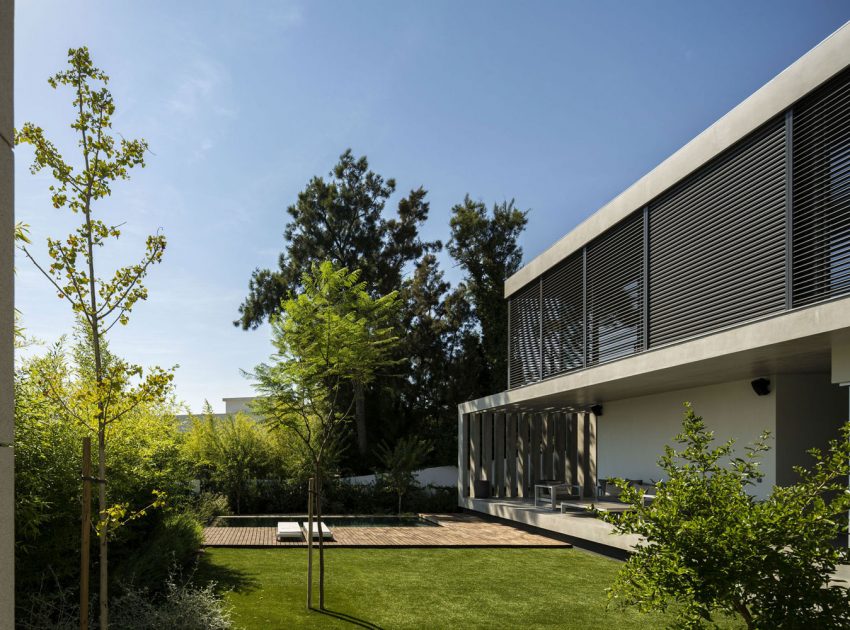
x=330 y=521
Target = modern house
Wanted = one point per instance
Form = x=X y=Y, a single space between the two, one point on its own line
x=721 y=278
x=7 y=405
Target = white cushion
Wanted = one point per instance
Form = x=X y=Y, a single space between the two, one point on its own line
x=326 y=533
x=288 y=529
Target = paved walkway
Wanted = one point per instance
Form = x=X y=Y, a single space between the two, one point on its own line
x=454 y=530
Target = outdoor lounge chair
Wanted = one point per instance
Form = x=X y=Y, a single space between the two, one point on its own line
x=549 y=492
x=288 y=530
x=327 y=534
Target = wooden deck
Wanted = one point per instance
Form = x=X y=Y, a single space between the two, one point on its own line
x=454 y=530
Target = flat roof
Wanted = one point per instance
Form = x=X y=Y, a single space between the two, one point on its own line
x=817 y=66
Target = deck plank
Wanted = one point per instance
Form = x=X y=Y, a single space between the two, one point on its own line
x=454 y=530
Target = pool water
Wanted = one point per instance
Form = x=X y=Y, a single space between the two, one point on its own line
x=330 y=521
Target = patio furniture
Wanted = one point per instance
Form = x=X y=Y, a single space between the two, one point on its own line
x=551 y=491
x=326 y=533
x=288 y=530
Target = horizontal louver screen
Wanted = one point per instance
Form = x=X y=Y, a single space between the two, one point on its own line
x=563 y=317
x=821 y=193
x=615 y=292
x=717 y=242
x=524 y=335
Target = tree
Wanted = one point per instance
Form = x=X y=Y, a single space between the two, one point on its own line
x=331 y=334
x=341 y=220
x=400 y=462
x=144 y=455
x=486 y=248
x=101 y=302
x=234 y=450
x=712 y=548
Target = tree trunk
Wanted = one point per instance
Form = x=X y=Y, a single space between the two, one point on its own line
x=321 y=540
x=360 y=418
x=399 y=505
x=104 y=573
x=311 y=491
x=85 y=535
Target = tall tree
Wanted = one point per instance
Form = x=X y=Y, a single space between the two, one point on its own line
x=485 y=245
x=101 y=302
x=341 y=219
x=332 y=334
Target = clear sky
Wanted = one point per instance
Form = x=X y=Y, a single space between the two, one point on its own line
x=560 y=105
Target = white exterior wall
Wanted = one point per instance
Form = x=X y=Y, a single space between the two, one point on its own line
x=632 y=432
x=7 y=464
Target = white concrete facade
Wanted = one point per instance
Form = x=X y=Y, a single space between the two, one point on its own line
x=7 y=463
x=804 y=351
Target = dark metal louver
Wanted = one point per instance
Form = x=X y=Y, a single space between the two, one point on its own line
x=524 y=336
x=615 y=292
x=821 y=193
x=563 y=317
x=717 y=241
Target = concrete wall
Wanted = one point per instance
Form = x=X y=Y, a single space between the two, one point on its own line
x=7 y=476
x=809 y=412
x=632 y=432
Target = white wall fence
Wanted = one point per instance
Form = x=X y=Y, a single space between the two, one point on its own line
x=436 y=476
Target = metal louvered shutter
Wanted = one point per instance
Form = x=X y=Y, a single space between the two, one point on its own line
x=563 y=317
x=615 y=292
x=821 y=193
x=524 y=336
x=717 y=241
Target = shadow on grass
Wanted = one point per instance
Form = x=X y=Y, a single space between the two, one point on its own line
x=225 y=578
x=362 y=623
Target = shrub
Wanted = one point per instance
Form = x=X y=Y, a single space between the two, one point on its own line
x=715 y=550
x=182 y=605
x=174 y=543
x=208 y=505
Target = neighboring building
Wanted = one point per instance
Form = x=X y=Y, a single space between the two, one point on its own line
x=7 y=299
x=728 y=263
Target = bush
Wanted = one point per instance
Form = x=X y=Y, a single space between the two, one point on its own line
x=182 y=605
x=716 y=551
x=174 y=543
x=208 y=505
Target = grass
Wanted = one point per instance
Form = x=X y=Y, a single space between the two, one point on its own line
x=424 y=588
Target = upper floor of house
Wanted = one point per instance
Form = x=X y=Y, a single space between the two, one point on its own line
x=749 y=220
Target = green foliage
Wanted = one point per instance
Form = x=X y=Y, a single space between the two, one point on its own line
x=330 y=335
x=341 y=220
x=173 y=543
x=209 y=505
x=231 y=452
x=183 y=605
x=713 y=549
x=486 y=248
x=146 y=456
x=400 y=462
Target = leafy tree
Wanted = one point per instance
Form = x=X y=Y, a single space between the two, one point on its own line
x=233 y=450
x=145 y=454
x=400 y=462
x=440 y=346
x=486 y=248
x=341 y=219
x=101 y=302
x=332 y=334
x=712 y=548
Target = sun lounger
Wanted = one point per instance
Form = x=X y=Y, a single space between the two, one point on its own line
x=327 y=534
x=288 y=530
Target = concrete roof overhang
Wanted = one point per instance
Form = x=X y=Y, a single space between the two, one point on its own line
x=796 y=341
x=817 y=66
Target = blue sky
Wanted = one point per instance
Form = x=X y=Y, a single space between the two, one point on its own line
x=560 y=105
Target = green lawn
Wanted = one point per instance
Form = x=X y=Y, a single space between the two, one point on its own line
x=424 y=588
